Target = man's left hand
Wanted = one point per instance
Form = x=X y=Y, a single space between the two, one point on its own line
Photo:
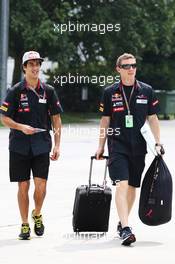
x=55 y=153
x=159 y=149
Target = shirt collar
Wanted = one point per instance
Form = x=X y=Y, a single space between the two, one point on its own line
x=24 y=85
x=136 y=85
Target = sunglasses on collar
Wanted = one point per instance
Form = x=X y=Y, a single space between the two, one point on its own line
x=128 y=66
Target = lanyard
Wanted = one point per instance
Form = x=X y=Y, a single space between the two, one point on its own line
x=126 y=101
x=38 y=95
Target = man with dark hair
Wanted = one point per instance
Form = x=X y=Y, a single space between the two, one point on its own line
x=29 y=110
x=125 y=107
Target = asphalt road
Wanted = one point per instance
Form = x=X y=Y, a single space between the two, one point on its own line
x=59 y=244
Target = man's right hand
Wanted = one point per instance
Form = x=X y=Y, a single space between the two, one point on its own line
x=99 y=153
x=27 y=130
x=9 y=122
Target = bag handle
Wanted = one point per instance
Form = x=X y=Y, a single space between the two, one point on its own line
x=90 y=171
x=156 y=171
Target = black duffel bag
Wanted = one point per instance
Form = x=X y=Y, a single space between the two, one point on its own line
x=155 y=205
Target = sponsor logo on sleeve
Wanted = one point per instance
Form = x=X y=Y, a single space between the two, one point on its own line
x=101 y=107
x=155 y=102
x=4 y=108
x=6 y=104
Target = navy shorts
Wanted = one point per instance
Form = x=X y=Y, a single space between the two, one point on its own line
x=22 y=165
x=124 y=167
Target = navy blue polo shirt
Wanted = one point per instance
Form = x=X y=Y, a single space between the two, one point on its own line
x=25 y=107
x=143 y=103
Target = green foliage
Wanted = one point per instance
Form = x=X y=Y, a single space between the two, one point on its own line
x=29 y=26
x=147 y=29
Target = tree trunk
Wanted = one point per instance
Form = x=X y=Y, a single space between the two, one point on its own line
x=17 y=70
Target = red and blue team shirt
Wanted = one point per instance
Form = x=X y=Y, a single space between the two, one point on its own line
x=143 y=104
x=34 y=109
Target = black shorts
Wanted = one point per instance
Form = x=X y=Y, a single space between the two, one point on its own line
x=21 y=166
x=124 y=167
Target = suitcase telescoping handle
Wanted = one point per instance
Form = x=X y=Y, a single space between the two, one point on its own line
x=90 y=171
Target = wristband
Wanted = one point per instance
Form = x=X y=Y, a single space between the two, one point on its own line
x=158 y=145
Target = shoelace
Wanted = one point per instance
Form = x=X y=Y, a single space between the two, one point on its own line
x=25 y=229
x=126 y=232
x=38 y=221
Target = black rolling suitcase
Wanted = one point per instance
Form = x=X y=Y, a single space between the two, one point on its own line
x=92 y=205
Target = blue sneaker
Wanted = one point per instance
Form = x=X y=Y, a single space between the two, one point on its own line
x=119 y=229
x=127 y=236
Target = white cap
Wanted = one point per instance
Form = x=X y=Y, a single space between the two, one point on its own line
x=31 y=55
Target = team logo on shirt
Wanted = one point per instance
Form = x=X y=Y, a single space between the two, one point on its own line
x=118 y=109
x=23 y=97
x=141 y=101
x=116 y=97
x=24 y=104
x=120 y=103
x=27 y=109
x=142 y=96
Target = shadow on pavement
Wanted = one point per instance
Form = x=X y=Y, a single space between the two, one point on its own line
x=148 y=244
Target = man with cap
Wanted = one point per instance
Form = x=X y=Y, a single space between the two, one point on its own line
x=30 y=109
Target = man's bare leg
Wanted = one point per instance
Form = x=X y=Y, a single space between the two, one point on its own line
x=23 y=200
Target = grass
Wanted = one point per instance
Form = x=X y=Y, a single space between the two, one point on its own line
x=166 y=117
x=78 y=117
x=68 y=118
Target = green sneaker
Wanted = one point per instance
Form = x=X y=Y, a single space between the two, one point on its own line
x=25 y=232
x=38 y=226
